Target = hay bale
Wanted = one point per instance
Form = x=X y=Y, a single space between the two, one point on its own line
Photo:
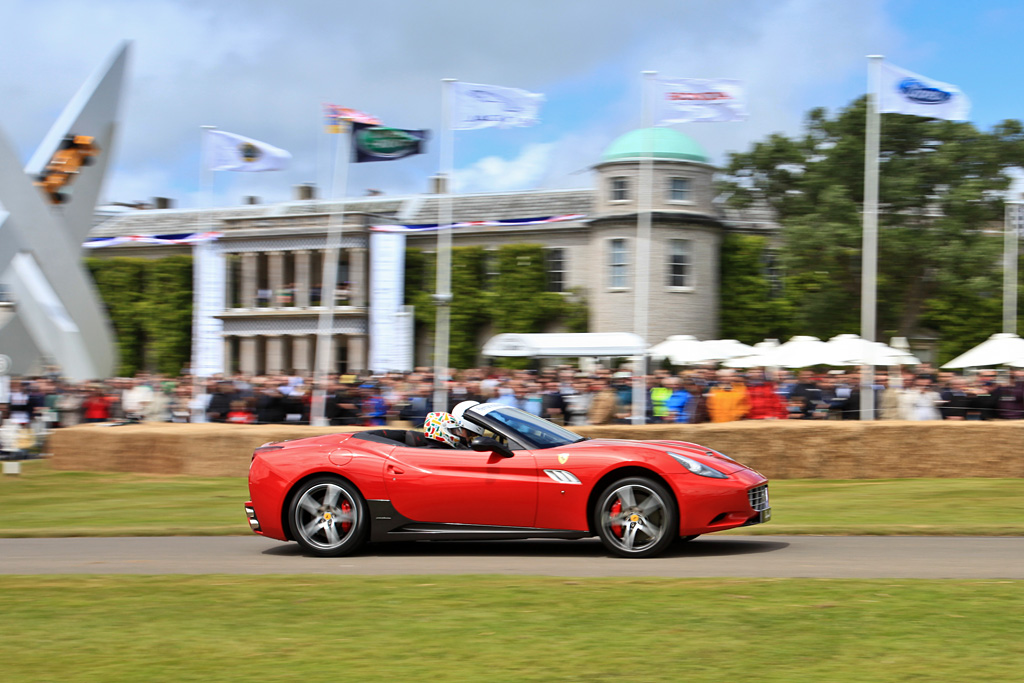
x=778 y=449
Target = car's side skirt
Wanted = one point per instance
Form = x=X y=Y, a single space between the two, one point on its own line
x=386 y=524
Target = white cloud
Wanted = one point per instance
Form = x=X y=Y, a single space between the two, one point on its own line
x=496 y=174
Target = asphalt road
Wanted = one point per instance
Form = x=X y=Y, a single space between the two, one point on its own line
x=861 y=557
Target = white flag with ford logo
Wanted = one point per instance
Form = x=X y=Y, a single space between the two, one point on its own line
x=904 y=92
x=485 y=106
x=230 y=152
x=683 y=100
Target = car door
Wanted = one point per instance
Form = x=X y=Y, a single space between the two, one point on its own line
x=463 y=486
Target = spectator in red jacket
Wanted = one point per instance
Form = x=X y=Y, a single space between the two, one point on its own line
x=765 y=403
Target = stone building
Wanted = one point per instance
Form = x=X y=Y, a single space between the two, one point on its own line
x=273 y=254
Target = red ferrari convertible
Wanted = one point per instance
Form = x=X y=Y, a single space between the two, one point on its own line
x=524 y=477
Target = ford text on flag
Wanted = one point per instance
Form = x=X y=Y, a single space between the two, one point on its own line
x=484 y=106
x=699 y=99
x=379 y=143
x=230 y=152
x=904 y=92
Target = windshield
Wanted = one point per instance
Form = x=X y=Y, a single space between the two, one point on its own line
x=538 y=430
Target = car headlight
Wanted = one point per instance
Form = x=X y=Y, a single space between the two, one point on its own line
x=698 y=468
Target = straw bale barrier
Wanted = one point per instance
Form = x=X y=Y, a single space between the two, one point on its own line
x=780 y=450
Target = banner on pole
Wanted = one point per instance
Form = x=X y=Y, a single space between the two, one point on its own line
x=388 y=344
x=379 y=143
x=485 y=106
x=209 y=285
x=685 y=100
x=904 y=92
x=230 y=152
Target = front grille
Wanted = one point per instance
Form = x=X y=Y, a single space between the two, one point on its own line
x=759 y=497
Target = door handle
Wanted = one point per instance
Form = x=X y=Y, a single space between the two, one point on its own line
x=395 y=470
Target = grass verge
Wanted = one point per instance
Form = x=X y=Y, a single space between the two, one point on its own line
x=217 y=628
x=44 y=503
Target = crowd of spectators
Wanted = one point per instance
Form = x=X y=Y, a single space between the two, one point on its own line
x=565 y=395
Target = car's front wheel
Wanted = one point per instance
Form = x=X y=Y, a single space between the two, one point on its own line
x=328 y=517
x=636 y=517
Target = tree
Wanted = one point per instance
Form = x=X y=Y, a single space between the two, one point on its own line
x=515 y=300
x=940 y=197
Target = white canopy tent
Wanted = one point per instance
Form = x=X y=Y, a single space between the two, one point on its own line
x=682 y=349
x=850 y=349
x=761 y=357
x=1003 y=348
x=565 y=345
x=800 y=352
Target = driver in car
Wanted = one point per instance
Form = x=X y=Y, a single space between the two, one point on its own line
x=467 y=430
x=443 y=431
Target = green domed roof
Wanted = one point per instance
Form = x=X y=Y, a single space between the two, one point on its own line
x=666 y=143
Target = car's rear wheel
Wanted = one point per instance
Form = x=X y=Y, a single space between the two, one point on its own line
x=636 y=517
x=328 y=517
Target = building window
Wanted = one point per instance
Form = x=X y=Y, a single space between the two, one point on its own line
x=679 y=190
x=491 y=269
x=679 y=264
x=556 y=269
x=620 y=189
x=617 y=263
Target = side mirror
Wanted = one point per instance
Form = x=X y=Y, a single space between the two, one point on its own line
x=486 y=443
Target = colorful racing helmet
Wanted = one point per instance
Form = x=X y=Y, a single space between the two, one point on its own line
x=442 y=427
x=460 y=410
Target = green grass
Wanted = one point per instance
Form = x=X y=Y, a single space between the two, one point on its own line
x=41 y=502
x=227 y=628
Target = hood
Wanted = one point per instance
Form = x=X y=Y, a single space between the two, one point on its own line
x=706 y=455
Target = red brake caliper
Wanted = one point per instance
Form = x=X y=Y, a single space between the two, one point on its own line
x=613 y=513
x=346 y=509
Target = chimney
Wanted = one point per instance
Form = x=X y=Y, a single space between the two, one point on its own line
x=251 y=199
x=163 y=203
x=438 y=184
x=305 y=191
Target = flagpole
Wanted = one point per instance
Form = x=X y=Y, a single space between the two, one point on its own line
x=205 y=203
x=329 y=278
x=443 y=297
x=1011 y=237
x=642 y=277
x=869 y=252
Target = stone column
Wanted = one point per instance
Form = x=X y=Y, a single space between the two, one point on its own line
x=302 y=353
x=358 y=276
x=275 y=275
x=229 y=281
x=302 y=278
x=247 y=355
x=249 y=281
x=357 y=360
x=275 y=354
x=228 y=359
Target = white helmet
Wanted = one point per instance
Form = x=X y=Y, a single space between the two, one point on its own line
x=460 y=410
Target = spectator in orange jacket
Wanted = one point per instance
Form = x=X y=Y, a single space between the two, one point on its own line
x=728 y=400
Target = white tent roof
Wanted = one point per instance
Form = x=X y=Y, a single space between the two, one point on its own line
x=682 y=349
x=565 y=345
x=759 y=358
x=850 y=349
x=1000 y=349
x=800 y=352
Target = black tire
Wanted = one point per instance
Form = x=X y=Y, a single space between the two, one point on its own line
x=636 y=517
x=328 y=517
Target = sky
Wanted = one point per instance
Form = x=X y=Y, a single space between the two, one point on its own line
x=262 y=68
